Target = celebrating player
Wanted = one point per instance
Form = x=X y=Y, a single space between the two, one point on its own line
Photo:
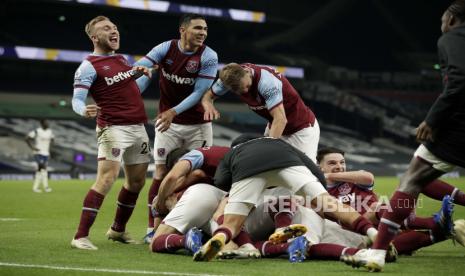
x=121 y=133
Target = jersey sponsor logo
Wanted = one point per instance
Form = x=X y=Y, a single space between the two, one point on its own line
x=115 y=152
x=347 y=198
x=344 y=189
x=119 y=77
x=177 y=79
x=192 y=66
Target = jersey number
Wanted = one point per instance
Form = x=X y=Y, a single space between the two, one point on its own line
x=145 y=148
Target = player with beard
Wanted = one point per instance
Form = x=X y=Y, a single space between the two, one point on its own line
x=121 y=134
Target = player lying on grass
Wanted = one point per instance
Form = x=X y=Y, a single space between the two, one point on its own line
x=254 y=164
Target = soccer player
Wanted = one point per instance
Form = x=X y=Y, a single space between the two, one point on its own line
x=121 y=133
x=187 y=68
x=441 y=134
x=39 y=141
x=270 y=95
x=196 y=206
x=253 y=165
x=356 y=189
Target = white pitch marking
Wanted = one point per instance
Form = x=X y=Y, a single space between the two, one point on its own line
x=106 y=270
x=11 y=219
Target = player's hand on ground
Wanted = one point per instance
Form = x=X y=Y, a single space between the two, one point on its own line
x=424 y=132
x=91 y=111
x=163 y=120
x=141 y=70
x=210 y=113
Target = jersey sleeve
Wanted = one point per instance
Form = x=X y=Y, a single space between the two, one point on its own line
x=85 y=75
x=366 y=187
x=155 y=55
x=195 y=157
x=271 y=89
x=218 y=88
x=208 y=64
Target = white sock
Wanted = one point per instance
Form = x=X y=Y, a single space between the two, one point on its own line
x=372 y=233
x=37 y=178
x=44 y=173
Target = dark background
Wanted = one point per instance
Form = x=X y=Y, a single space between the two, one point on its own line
x=366 y=35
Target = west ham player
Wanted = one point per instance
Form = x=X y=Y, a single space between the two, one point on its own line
x=187 y=68
x=196 y=206
x=39 y=141
x=120 y=128
x=255 y=164
x=356 y=188
x=270 y=95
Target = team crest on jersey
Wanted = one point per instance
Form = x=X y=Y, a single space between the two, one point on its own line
x=115 y=152
x=161 y=152
x=192 y=66
x=106 y=67
x=344 y=189
x=125 y=61
x=169 y=61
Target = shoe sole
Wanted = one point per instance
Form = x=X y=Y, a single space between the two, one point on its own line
x=121 y=240
x=370 y=266
x=391 y=254
x=210 y=251
x=291 y=231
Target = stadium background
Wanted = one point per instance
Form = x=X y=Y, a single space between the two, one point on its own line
x=367 y=68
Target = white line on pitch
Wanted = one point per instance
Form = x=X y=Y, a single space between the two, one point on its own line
x=108 y=270
x=11 y=219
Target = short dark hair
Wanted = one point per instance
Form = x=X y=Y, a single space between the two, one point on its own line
x=186 y=18
x=174 y=156
x=244 y=138
x=325 y=151
x=457 y=9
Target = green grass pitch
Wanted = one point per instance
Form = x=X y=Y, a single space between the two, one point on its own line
x=36 y=230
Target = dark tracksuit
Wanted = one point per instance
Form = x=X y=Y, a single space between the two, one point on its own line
x=447 y=115
x=260 y=155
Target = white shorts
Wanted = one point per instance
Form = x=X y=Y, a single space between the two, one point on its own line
x=177 y=136
x=423 y=153
x=250 y=189
x=305 y=140
x=334 y=233
x=124 y=143
x=195 y=208
x=259 y=223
